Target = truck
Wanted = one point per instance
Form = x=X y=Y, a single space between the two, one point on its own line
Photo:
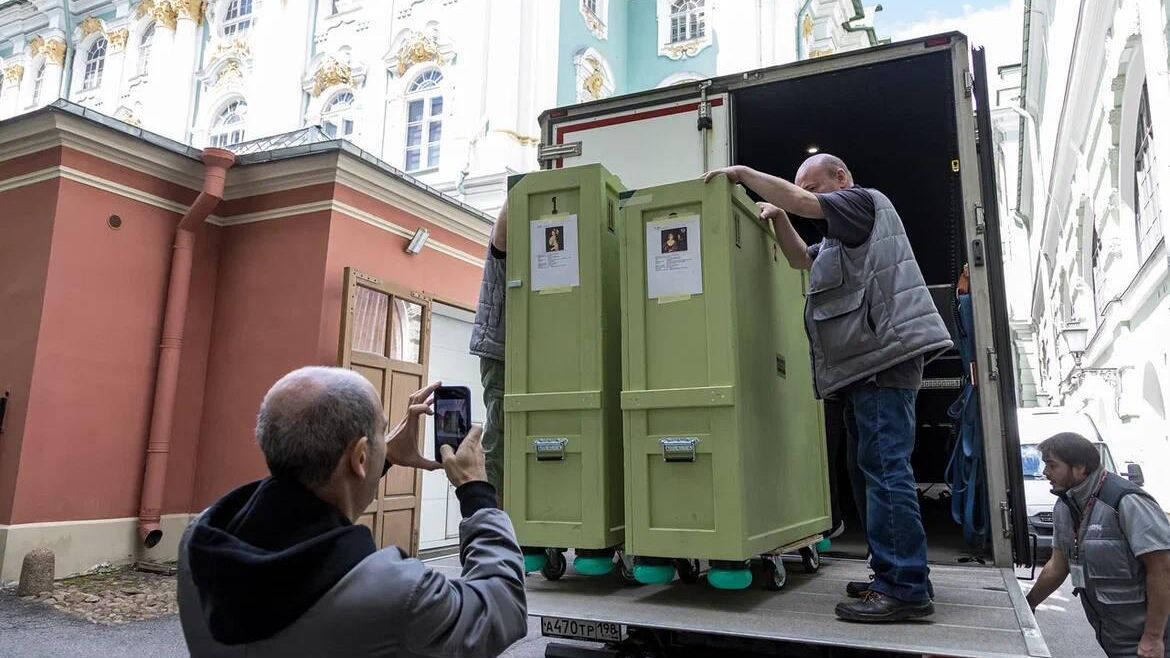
x=911 y=119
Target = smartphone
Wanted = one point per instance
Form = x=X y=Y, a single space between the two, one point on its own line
x=452 y=419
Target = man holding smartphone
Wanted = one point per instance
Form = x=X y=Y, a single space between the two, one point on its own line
x=871 y=323
x=279 y=566
x=487 y=342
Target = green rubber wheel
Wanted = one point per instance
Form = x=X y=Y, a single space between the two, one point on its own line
x=730 y=578
x=593 y=566
x=654 y=574
x=824 y=545
x=534 y=562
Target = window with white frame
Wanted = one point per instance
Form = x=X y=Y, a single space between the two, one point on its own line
x=237 y=19
x=95 y=64
x=230 y=125
x=424 y=121
x=337 y=117
x=144 y=45
x=1147 y=210
x=688 y=20
x=38 y=84
x=595 y=13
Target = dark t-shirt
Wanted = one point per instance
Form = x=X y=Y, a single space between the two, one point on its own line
x=849 y=217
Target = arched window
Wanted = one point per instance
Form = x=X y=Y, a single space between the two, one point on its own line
x=95 y=64
x=238 y=18
x=688 y=20
x=1147 y=211
x=144 y=45
x=337 y=117
x=230 y=125
x=38 y=84
x=424 y=121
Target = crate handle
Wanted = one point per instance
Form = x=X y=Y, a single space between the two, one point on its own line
x=550 y=450
x=679 y=450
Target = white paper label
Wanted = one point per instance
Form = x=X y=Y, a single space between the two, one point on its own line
x=1078 y=574
x=674 y=257
x=555 y=262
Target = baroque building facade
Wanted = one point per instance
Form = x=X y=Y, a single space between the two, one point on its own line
x=1089 y=185
x=448 y=91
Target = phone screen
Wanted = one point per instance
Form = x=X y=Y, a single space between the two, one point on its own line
x=452 y=419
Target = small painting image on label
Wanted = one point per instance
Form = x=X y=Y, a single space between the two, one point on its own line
x=674 y=260
x=554 y=253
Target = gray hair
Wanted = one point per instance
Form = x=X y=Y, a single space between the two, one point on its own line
x=310 y=417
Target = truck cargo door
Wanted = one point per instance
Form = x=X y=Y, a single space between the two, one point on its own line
x=1001 y=328
x=648 y=145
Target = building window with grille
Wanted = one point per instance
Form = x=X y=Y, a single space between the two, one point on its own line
x=38 y=84
x=230 y=125
x=1147 y=210
x=237 y=20
x=95 y=64
x=144 y=46
x=337 y=117
x=688 y=20
x=424 y=121
x=595 y=13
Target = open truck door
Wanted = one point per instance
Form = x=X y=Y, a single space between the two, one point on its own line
x=998 y=362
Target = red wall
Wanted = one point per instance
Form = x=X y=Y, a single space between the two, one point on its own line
x=26 y=224
x=89 y=415
x=267 y=317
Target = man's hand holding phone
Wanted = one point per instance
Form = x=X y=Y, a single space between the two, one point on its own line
x=466 y=464
x=402 y=441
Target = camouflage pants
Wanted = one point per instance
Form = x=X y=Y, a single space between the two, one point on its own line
x=491 y=372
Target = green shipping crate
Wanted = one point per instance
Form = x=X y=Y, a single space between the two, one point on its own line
x=724 y=439
x=562 y=415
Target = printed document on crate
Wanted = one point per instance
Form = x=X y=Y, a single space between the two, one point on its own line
x=674 y=258
x=555 y=262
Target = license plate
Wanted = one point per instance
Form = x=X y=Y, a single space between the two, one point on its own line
x=572 y=629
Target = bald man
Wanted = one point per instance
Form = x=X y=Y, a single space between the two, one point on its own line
x=279 y=566
x=871 y=323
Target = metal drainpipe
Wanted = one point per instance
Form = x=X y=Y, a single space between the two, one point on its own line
x=70 y=49
x=154 y=474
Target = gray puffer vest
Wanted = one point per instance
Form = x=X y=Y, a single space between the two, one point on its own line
x=868 y=307
x=1114 y=595
x=487 y=336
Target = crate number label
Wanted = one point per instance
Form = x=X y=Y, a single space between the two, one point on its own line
x=555 y=262
x=674 y=257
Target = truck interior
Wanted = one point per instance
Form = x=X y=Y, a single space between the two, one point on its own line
x=905 y=145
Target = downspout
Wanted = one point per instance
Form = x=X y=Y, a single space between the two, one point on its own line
x=70 y=49
x=154 y=474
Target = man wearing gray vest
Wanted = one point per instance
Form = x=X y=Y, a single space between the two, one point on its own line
x=1114 y=540
x=871 y=323
x=487 y=342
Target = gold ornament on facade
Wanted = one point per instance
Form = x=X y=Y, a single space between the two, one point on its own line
x=54 y=51
x=595 y=82
x=237 y=47
x=230 y=72
x=806 y=26
x=683 y=49
x=820 y=52
x=192 y=9
x=331 y=73
x=524 y=140
x=118 y=39
x=14 y=73
x=145 y=7
x=35 y=46
x=165 y=14
x=416 y=49
x=89 y=26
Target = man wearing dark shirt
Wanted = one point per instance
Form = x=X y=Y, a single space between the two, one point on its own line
x=878 y=403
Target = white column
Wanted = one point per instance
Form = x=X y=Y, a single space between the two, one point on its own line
x=178 y=80
x=12 y=75
x=158 y=114
x=54 y=50
x=112 y=76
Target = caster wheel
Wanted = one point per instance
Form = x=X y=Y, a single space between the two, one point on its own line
x=776 y=576
x=810 y=559
x=688 y=570
x=824 y=545
x=626 y=570
x=556 y=565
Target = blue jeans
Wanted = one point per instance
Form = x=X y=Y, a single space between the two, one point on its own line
x=881 y=420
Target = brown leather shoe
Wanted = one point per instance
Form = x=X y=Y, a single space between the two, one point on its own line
x=875 y=607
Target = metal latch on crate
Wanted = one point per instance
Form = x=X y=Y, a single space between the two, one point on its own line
x=550 y=450
x=679 y=450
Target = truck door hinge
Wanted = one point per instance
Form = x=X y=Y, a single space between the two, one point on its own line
x=968 y=83
x=979 y=218
x=1005 y=516
x=977 y=252
x=705 y=121
x=992 y=364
